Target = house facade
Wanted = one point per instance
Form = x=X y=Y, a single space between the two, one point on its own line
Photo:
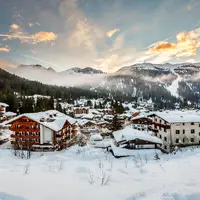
x=176 y=128
x=80 y=110
x=3 y=107
x=41 y=131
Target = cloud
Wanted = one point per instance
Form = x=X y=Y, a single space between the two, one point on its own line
x=81 y=34
x=43 y=36
x=5 y=49
x=116 y=56
x=14 y=26
x=25 y=37
x=112 y=32
x=185 y=46
x=7 y=64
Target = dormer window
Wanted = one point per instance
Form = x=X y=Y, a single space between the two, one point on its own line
x=192 y=123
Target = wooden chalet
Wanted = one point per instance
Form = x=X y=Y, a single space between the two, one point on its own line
x=80 y=110
x=134 y=139
x=41 y=130
x=141 y=119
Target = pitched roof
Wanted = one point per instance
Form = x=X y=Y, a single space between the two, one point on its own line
x=4 y=104
x=179 y=116
x=56 y=124
x=128 y=134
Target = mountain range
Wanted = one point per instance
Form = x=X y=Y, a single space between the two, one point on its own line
x=166 y=83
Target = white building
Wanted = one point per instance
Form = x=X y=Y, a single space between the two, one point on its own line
x=177 y=128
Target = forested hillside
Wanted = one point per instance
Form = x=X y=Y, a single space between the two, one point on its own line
x=12 y=86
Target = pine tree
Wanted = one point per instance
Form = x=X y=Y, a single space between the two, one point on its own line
x=59 y=107
x=89 y=103
x=116 y=123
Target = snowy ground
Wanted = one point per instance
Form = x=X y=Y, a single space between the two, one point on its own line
x=88 y=173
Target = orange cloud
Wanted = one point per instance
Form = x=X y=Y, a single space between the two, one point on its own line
x=112 y=32
x=30 y=39
x=186 y=45
x=14 y=26
x=5 y=49
x=43 y=36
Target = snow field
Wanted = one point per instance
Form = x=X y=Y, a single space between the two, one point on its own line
x=89 y=173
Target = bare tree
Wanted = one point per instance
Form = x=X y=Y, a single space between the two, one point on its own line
x=100 y=164
x=91 y=178
x=105 y=178
x=26 y=169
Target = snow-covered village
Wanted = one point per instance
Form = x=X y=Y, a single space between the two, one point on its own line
x=121 y=151
x=99 y=99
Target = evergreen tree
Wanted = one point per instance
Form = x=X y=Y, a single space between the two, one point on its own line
x=59 y=107
x=95 y=105
x=12 y=101
x=89 y=103
x=116 y=123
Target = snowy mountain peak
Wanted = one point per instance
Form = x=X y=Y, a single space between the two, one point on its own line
x=86 y=70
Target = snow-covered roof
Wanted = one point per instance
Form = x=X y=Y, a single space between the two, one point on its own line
x=128 y=134
x=57 y=122
x=4 y=104
x=10 y=114
x=82 y=107
x=150 y=153
x=87 y=116
x=82 y=122
x=179 y=116
x=108 y=116
x=94 y=111
x=140 y=116
x=96 y=137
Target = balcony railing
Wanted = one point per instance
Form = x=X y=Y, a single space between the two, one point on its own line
x=24 y=143
x=25 y=136
x=22 y=129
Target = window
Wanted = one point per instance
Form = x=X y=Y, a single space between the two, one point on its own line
x=165 y=122
x=199 y=133
x=192 y=123
x=183 y=140
x=160 y=136
x=155 y=126
x=165 y=138
x=183 y=131
x=192 y=139
x=177 y=140
x=160 y=128
x=165 y=130
x=160 y=121
x=192 y=131
x=165 y=147
x=199 y=125
x=177 y=131
x=183 y=124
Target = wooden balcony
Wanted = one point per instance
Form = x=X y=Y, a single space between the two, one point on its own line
x=24 y=143
x=22 y=123
x=25 y=129
x=25 y=136
x=166 y=126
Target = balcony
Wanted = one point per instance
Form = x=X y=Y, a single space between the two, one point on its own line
x=24 y=143
x=25 y=136
x=24 y=129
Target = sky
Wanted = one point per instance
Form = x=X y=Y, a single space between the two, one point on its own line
x=103 y=34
